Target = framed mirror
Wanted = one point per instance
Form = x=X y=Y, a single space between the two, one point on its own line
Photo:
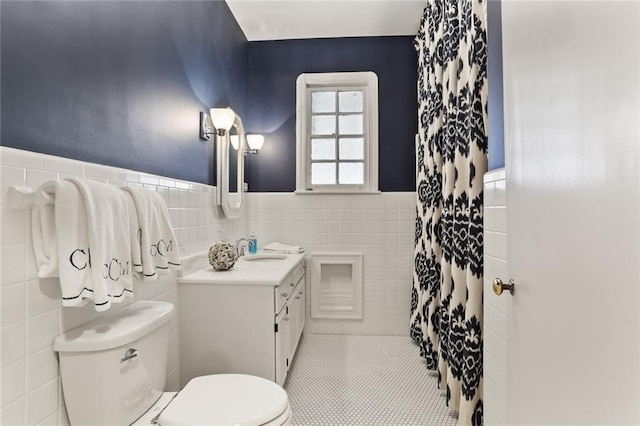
x=230 y=169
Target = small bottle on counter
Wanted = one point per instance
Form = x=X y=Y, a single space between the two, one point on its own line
x=253 y=243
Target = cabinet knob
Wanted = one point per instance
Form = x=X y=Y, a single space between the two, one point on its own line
x=300 y=293
x=284 y=295
x=286 y=318
x=297 y=297
x=291 y=285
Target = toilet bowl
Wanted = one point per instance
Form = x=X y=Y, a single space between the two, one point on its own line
x=113 y=372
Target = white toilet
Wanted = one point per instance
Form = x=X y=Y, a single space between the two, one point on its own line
x=113 y=372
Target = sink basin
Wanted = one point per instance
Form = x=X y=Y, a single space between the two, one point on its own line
x=264 y=257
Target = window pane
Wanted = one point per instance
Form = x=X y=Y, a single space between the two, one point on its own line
x=323 y=173
x=351 y=173
x=350 y=124
x=351 y=148
x=323 y=102
x=350 y=101
x=323 y=125
x=323 y=149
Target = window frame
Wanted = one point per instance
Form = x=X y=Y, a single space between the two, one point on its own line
x=343 y=81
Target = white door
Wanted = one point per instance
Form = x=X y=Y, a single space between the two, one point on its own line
x=293 y=320
x=296 y=319
x=572 y=95
x=282 y=346
x=302 y=314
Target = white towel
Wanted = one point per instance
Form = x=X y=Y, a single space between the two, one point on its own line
x=158 y=245
x=283 y=248
x=45 y=246
x=109 y=244
x=81 y=240
x=72 y=241
x=135 y=236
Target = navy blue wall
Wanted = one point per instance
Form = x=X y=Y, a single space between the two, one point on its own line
x=119 y=83
x=494 y=71
x=272 y=69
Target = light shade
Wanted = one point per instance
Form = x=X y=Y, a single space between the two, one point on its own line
x=235 y=141
x=222 y=118
x=255 y=141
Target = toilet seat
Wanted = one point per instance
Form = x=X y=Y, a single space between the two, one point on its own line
x=228 y=399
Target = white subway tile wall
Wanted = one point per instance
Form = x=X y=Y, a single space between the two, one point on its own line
x=380 y=226
x=30 y=312
x=495 y=307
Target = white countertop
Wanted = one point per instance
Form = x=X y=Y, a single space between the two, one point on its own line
x=268 y=273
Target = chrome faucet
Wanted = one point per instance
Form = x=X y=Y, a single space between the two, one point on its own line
x=240 y=248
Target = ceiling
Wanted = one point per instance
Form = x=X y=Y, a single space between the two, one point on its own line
x=296 y=19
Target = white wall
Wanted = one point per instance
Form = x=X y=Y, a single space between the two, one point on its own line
x=495 y=307
x=30 y=312
x=380 y=226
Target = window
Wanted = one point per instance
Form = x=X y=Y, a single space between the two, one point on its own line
x=337 y=132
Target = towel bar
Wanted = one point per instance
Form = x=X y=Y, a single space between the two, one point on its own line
x=24 y=197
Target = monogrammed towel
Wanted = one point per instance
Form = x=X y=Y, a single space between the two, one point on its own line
x=158 y=245
x=79 y=238
x=71 y=238
x=109 y=251
x=135 y=236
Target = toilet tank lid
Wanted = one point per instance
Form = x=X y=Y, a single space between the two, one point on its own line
x=115 y=329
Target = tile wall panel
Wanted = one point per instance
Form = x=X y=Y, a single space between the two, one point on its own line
x=495 y=307
x=30 y=312
x=380 y=226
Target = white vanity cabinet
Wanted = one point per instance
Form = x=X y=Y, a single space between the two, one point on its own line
x=248 y=320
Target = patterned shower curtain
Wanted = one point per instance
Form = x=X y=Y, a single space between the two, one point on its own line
x=446 y=302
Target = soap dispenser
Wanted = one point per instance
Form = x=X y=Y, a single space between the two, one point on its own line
x=253 y=243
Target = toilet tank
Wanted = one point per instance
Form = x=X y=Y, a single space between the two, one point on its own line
x=114 y=368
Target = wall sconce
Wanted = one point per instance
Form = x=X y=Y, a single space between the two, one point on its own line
x=235 y=141
x=255 y=143
x=221 y=120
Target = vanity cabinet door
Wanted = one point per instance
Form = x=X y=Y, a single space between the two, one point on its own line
x=290 y=305
x=300 y=292
x=296 y=319
x=282 y=346
x=291 y=332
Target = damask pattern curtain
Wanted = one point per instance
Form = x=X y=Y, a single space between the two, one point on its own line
x=446 y=302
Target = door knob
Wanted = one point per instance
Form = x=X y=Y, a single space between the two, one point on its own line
x=499 y=286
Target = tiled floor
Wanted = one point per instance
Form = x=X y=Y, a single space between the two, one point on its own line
x=363 y=380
